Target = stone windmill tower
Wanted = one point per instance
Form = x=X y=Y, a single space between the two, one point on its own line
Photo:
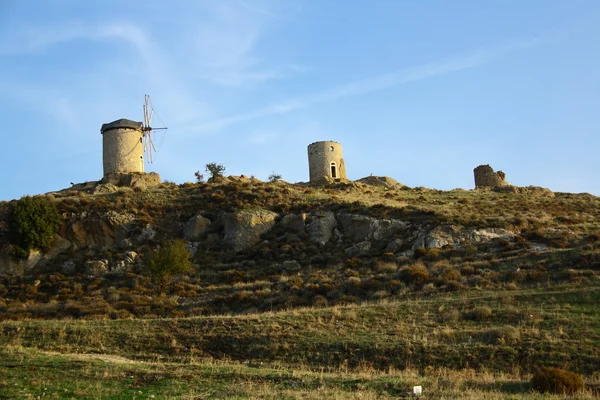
x=325 y=161
x=127 y=144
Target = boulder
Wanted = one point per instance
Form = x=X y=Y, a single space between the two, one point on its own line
x=148 y=233
x=119 y=267
x=140 y=180
x=96 y=268
x=361 y=227
x=68 y=268
x=321 y=228
x=131 y=257
x=195 y=228
x=381 y=181
x=453 y=235
x=394 y=246
x=358 y=249
x=105 y=188
x=244 y=228
x=294 y=223
x=99 y=232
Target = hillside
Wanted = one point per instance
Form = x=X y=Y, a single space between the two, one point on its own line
x=376 y=285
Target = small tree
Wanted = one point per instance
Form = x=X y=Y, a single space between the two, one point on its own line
x=216 y=170
x=274 y=177
x=34 y=222
x=172 y=259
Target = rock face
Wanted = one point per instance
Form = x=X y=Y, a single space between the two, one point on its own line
x=452 y=235
x=358 y=249
x=10 y=266
x=321 y=228
x=295 y=223
x=361 y=227
x=381 y=181
x=136 y=180
x=195 y=228
x=243 y=228
x=98 y=232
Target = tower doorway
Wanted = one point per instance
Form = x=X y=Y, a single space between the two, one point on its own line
x=333 y=170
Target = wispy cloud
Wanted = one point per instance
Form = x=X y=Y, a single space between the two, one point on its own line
x=438 y=68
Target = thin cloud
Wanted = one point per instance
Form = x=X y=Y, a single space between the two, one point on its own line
x=443 y=67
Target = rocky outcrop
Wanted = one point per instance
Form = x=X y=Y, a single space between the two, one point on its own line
x=135 y=180
x=295 y=223
x=195 y=229
x=534 y=190
x=320 y=230
x=10 y=266
x=361 y=227
x=96 y=268
x=98 y=232
x=244 y=228
x=452 y=235
x=358 y=249
x=381 y=181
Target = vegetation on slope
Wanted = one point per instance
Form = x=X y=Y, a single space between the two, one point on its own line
x=505 y=306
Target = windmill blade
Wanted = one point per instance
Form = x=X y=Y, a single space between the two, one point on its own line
x=151 y=141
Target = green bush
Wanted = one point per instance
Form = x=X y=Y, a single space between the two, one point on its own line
x=172 y=259
x=215 y=170
x=274 y=177
x=34 y=222
x=556 y=380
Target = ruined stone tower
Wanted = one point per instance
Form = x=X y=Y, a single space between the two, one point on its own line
x=122 y=147
x=325 y=161
x=486 y=177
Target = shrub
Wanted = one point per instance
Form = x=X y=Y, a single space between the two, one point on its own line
x=416 y=273
x=556 y=380
x=451 y=275
x=172 y=259
x=274 y=177
x=479 y=313
x=502 y=335
x=420 y=252
x=34 y=222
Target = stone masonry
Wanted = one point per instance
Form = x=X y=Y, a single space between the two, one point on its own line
x=325 y=161
x=486 y=177
x=122 y=147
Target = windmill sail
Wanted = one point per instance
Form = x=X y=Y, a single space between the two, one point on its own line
x=148 y=130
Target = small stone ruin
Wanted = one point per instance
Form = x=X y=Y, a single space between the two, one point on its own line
x=486 y=177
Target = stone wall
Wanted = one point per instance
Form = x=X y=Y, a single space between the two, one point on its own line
x=122 y=150
x=486 y=177
x=325 y=161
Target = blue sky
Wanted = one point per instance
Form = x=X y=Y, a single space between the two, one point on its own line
x=422 y=91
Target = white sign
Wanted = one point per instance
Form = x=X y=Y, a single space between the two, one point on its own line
x=417 y=390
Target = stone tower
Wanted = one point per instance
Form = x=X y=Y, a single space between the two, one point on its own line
x=325 y=161
x=486 y=177
x=122 y=147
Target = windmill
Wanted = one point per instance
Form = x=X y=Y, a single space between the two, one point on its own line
x=148 y=130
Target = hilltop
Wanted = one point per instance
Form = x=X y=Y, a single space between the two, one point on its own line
x=351 y=276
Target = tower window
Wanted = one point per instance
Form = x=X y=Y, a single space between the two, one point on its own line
x=330 y=148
